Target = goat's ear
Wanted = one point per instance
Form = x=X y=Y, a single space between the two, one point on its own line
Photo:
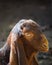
x=21 y=53
x=17 y=53
x=13 y=57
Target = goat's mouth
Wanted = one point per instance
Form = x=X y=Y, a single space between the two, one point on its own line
x=44 y=48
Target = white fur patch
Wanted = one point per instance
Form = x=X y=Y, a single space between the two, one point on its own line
x=17 y=28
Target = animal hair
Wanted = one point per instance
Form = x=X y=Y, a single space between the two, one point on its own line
x=23 y=43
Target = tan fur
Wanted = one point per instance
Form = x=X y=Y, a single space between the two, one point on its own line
x=24 y=48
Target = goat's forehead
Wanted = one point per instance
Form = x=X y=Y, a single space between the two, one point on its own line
x=27 y=21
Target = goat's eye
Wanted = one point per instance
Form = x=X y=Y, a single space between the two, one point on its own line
x=24 y=25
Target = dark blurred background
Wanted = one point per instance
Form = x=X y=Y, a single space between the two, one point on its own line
x=11 y=11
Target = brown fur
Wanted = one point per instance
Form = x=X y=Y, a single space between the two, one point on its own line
x=24 y=47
